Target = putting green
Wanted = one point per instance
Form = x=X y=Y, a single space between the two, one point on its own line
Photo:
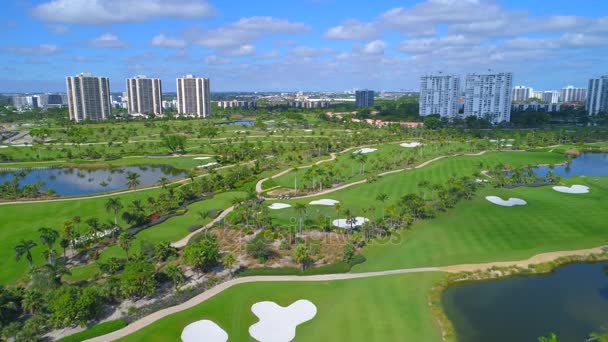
x=387 y=308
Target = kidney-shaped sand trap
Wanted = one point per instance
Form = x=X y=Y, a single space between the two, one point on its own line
x=412 y=144
x=324 y=202
x=508 y=203
x=575 y=189
x=359 y=221
x=365 y=150
x=276 y=206
x=278 y=324
x=204 y=330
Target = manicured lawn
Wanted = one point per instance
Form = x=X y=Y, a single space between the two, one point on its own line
x=477 y=231
x=97 y=330
x=360 y=197
x=22 y=221
x=348 y=166
x=389 y=308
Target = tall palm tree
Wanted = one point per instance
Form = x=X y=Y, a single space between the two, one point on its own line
x=382 y=197
x=163 y=182
x=133 y=180
x=48 y=237
x=295 y=182
x=25 y=248
x=124 y=240
x=113 y=204
x=301 y=210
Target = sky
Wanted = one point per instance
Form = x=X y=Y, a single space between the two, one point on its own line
x=307 y=45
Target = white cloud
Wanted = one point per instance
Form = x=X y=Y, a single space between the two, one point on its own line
x=161 y=40
x=119 y=11
x=306 y=51
x=43 y=49
x=374 y=47
x=246 y=31
x=353 y=30
x=424 y=45
x=108 y=40
x=215 y=60
x=243 y=50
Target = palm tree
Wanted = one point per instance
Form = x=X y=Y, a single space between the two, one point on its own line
x=124 y=240
x=25 y=248
x=113 y=204
x=48 y=237
x=32 y=301
x=163 y=182
x=133 y=180
x=301 y=210
x=295 y=182
x=382 y=197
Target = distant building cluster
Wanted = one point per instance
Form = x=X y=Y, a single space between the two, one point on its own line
x=537 y=107
x=237 y=104
x=309 y=104
x=39 y=101
x=485 y=96
x=568 y=94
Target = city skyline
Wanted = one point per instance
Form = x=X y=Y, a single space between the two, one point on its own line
x=245 y=47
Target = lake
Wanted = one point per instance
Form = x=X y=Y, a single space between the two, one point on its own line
x=77 y=182
x=571 y=302
x=588 y=164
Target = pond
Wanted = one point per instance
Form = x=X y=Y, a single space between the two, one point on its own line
x=571 y=302
x=588 y=164
x=246 y=123
x=77 y=182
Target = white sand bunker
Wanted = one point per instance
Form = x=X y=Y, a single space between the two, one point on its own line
x=278 y=324
x=3 y=146
x=575 y=189
x=204 y=330
x=201 y=158
x=343 y=223
x=324 y=202
x=508 y=203
x=410 y=145
x=206 y=165
x=276 y=206
x=365 y=150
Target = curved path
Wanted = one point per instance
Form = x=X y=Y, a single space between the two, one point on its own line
x=145 y=321
x=344 y=186
x=258 y=185
x=183 y=242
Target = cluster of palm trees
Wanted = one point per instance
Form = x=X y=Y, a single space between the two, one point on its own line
x=506 y=175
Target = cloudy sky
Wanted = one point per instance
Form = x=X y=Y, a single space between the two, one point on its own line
x=301 y=44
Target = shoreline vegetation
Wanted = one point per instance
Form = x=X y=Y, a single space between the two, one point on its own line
x=443 y=322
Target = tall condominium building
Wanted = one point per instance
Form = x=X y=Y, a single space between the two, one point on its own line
x=88 y=97
x=194 y=96
x=440 y=95
x=522 y=94
x=489 y=96
x=573 y=94
x=597 y=95
x=145 y=95
x=364 y=98
x=550 y=96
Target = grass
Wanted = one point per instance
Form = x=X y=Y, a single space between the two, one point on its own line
x=171 y=230
x=363 y=196
x=22 y=221
x=390 y=308
x=96 y=330
x=477 y=231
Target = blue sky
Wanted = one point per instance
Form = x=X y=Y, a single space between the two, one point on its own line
x=301 y=44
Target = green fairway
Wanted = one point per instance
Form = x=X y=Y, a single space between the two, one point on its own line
x=478 y=231
x=388 y=308
x=360 y=197
x=22 y=221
